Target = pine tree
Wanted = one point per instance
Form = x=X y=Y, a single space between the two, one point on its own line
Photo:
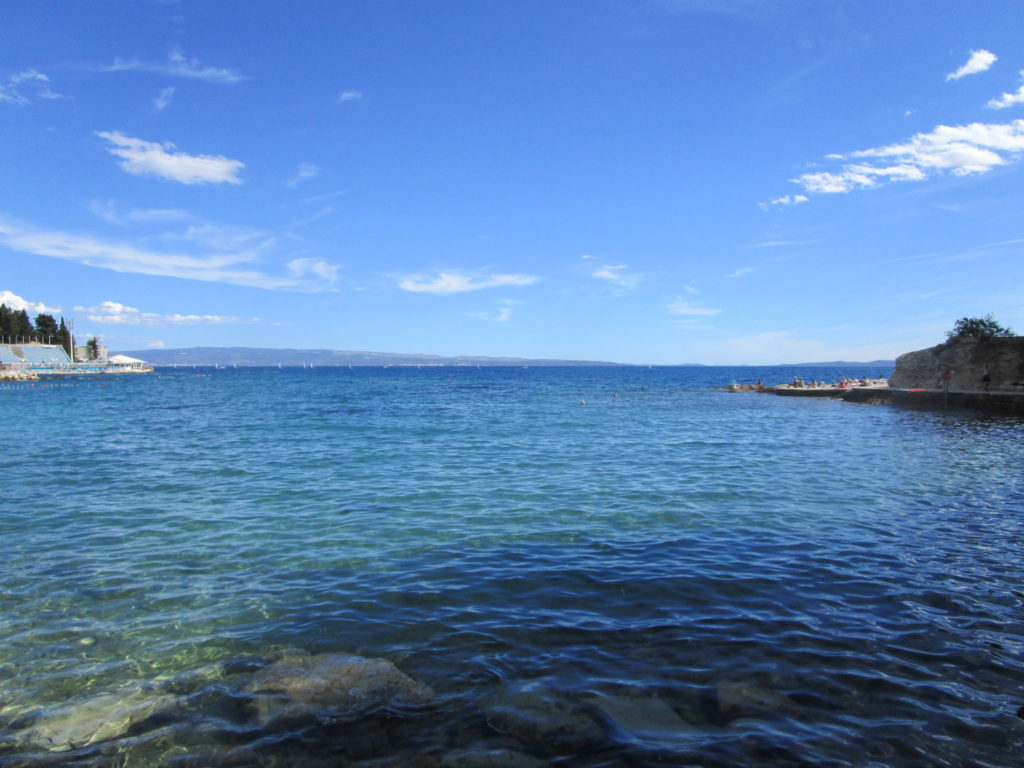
x=5 y=322
x=46 y=328
x=64 y=337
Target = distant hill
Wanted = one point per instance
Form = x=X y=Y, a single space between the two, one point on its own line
x=254 y=356
x=842 y=363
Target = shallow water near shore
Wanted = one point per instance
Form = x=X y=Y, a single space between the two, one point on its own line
x=670 y=575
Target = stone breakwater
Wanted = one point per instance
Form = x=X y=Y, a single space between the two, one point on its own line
x=12 y=375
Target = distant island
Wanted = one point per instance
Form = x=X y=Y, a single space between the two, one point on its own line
x=257 y=356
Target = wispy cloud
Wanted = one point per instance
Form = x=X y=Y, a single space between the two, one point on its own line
x=113 y=313
x=350 y=96
x=457 y=282
x=177 y=65
x=310 y=267
x=142 y=158
x=501 y=315
x=741 y=272
x=782 y=243
x=15 y=302
x=682 y=307
x=220 y=237
x=785 y=200
x=323 y=212
x=305 y=172
x=26 y=87
x=232 y=267
x=979 y=62
x=587 y=256
x=325 y=196
x=617 y=275
x=108 y=211
x=1008 y=99
x=750 y=10
x=957 y=149
x=163 y=100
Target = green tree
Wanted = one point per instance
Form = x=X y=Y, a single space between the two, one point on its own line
x=92 y=347
x=46 y=328
x=986 y=327
x=21 y=327
x=64 y=337
x=5 y=322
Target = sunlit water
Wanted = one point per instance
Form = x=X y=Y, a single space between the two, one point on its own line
x=670 y=575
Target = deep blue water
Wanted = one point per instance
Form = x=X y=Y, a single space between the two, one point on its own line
x=670 y=575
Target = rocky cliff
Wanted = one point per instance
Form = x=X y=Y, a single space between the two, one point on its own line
x=968 y=361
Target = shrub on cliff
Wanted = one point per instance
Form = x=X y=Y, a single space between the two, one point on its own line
x=978 y=328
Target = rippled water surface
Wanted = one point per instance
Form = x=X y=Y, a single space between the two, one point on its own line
x=670 y=575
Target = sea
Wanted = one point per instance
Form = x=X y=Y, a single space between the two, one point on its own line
x=471 y=567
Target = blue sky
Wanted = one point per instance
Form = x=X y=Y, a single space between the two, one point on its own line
x=641 y=181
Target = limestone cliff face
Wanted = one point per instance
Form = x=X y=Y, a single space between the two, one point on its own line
x=967 y=362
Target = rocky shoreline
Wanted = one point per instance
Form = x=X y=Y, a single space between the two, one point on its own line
x=327 y=707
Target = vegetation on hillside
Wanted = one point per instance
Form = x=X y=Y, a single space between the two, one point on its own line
x=986 y=327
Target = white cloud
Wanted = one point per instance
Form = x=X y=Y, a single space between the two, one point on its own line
x=456 y=282
x=741 y=272
x=956 y=149
x=615 y=274
x=108 y=211
x=15 y=302
x=220 y=237
x=501 y=315
x=156 y=215
x=786 y=200
x=306 y=171
x=177 y=65
x=587 y=256
x=156 y=345
x=318 y=267
x=129 y=258
x=163 y=100
x=25 y=87
x=349 y=96
x=979 y=62
x=689 y=289
x=1008 y=99
x=141 y=157
x=113 y=313
x=680 y=307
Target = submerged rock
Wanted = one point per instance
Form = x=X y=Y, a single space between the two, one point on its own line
x=740 y=698
x=543 y=719
x=98 y=718
x=332 y=686
x=491 y=758
x=647 y=720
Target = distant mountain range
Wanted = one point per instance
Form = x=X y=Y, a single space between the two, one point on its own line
x=254 y=356
x=842 y=363
x=257 y=356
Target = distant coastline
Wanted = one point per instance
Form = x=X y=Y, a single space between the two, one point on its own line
x=259 y=356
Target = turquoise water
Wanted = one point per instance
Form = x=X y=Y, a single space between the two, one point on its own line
x=670 y=575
